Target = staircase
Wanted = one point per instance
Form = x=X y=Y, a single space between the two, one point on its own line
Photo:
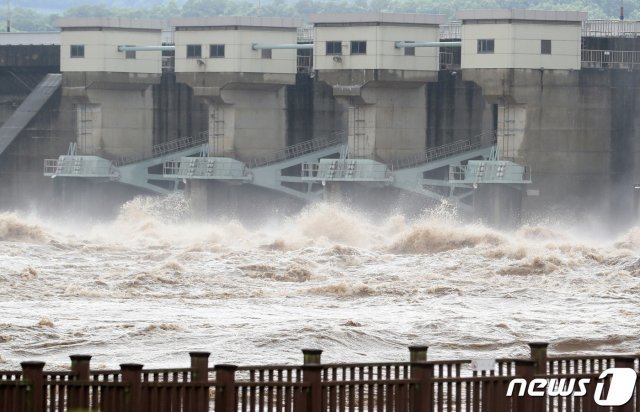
x=21 y=117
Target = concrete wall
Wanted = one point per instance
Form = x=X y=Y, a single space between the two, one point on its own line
x=578 y=132
x=312 y=111
x=239 y=56
x=116 y=123
x=517 y=45
x=456 y=110
x=176 y=112
x=101 y=50
x=381 y=50
x=255 y=122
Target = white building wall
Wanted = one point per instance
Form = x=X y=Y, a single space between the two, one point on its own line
x=381 y=50
x=517 y=45
x=239 y=55
x=101 y=51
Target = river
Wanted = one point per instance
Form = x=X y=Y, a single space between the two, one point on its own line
x=153 y=284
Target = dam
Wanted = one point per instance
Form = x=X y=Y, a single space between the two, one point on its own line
x=506 y=114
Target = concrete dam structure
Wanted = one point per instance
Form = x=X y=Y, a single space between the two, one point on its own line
x=504 y=113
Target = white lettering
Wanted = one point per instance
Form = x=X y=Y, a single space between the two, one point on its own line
x=540 y=383
x=556 y=387
x=582 y=384
x=623 y=382
x=512 y=384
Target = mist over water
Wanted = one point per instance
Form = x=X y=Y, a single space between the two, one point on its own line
x=152 y=285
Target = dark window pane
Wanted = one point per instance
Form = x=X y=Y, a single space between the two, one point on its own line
x=545 y=46
x=130 y=54
x=216 y=50
x=486 y=46
x=334 y=47
x=77 y=50
x=194 y=51
x=358 y=47
x=409 y=51
x=266 y=53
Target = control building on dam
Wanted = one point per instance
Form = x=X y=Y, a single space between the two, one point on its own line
x=505 y=113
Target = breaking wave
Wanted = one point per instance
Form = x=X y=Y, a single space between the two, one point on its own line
x=330 y=276
x=14 y=227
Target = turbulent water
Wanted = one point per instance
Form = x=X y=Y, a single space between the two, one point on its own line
x=152 y=285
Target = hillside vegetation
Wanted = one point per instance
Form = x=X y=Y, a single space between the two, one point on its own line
x=38 y=19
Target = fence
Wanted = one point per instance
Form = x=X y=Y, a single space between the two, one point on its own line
x=612 y=59
x=418 y=385
x=484 y=139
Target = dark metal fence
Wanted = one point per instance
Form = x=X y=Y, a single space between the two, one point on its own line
x=419 y=385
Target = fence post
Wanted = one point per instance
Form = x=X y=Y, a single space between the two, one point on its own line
x=312 y=375
x=422 y=372
x=199 y=366
x=418 y=353
x=525 y=369
x=539 y=355
x=32 y=373
x=78 y=397
x=627 y=362
x=225 y=388
x=200 y=374
x=312 y=356
x=132 y=377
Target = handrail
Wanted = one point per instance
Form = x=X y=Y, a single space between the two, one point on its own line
x=171 y=146
x=445 y=150
x=298 y=149
x=623 y=59
x=611 y=28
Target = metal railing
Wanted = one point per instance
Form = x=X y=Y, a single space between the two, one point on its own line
x=612 y=59
x=168 y=64
x=304 y=64
x=451 y=31
x=79 y=166
x=171 y=146
x=305 y=34
x=447 y=150
x=490 y=172
x=448 y=60
x=298 y=149
x=611 y=28
x=205 y=167
x=346 y=170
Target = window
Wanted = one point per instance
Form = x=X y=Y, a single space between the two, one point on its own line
x=358 y=47
x=194 y=51
x=409 y=51
x=265 y=53
x=77 y=50
x=485 y=46
x=545 y=46
x=216 y=51
x=130 y=54
x=334 y=47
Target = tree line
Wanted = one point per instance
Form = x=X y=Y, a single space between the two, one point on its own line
x=26 y=19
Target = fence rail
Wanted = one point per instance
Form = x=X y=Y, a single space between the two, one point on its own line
x=298 y=149
x=419 y=385
x=611 y=28
x=446 y=150
x=171 y=146
x=612 y=59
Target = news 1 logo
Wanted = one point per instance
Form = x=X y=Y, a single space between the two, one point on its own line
x=622 y=382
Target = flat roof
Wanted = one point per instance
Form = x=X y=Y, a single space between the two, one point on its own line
x=241 y=21
x=378 y=17
x=110 y=22
x=42 y=38
x=521 y=14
